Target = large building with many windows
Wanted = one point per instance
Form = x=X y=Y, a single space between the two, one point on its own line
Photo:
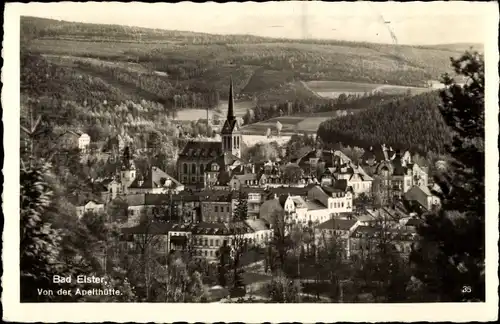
x=211 y=163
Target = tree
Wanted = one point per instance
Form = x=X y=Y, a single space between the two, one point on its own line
x=241 y=211
x=292 y=173
x=451 y=255
x=283 y=290
x=39 y=246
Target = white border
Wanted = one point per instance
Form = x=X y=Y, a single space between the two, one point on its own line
x=89 y=312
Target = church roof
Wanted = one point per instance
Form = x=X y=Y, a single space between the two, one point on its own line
x=229 y=126
x=201 y=149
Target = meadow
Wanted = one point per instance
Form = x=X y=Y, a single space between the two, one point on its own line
x=333 y=89
x=303 y=123
x=240 y=109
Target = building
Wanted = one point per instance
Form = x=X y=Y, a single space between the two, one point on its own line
x=208 y=163
x=218 y=206
x=421 y=199
x=365 y=240
x=156 y=181
x=338 y=230
x=84 y=142
x=88 y=206
x=295 y=208
x=337 y=198
x=75 y=139
x=315 y=162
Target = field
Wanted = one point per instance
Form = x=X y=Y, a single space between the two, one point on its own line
x=307 y=123
x=240 y=109
x=333 y=89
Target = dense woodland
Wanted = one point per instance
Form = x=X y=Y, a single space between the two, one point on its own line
x=406 y=123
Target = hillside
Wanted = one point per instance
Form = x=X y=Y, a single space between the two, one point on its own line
x=202 y=63
x=410 y=122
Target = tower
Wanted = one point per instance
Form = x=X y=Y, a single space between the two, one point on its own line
x=128 y=171
x=230 y=134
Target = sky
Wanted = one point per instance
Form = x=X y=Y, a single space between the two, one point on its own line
x=415 y=23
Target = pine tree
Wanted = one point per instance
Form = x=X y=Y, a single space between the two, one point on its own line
x=241 y=211
x=450 y=260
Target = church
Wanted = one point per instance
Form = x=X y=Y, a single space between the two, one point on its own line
x=207 y=164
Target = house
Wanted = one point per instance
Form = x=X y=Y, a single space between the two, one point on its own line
x=87 y=206
x=208 y=238
x=365 y=240
x=421 y=199
x=243 y=180
x=357 y=179
x=255 y=198
x=218 y=206
x=262 y=232
x=337 y=198
x=295 y=208
x=84 y=142
x=156 y=181
x=316 y=212
x=316 y=161
x=338 y=229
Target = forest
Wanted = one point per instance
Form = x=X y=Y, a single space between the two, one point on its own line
x=413 y=123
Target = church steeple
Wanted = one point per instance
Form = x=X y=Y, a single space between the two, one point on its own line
x=230 y=102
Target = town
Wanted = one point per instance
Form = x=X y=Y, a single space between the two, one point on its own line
x=186 y=167
x=216 y=198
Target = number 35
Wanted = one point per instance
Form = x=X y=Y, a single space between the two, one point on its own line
x=466 y=289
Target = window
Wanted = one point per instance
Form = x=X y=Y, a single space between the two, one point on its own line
x=205 y=241
x=216 y=209
x=193 y=179
x=342 y=204
x=211 y=253
x=216 y=242
x=227 y=209
x=211 y=242
x=206 y=253
x=202 y=168
x=184 y=168
x=193 y=168
x=131 y=212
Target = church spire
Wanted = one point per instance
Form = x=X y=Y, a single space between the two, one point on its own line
x=230 y=102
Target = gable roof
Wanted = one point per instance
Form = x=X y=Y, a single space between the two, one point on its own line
x=419 y=195
x=257 y=224
x=340 y=224
x=315 y=205
x=155 y=178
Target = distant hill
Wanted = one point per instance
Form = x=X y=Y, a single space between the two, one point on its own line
x=258 y=64
x=408 y=123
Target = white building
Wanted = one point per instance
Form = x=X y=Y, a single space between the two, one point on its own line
x=337 y=199
x=84 y=142
x=89 y=206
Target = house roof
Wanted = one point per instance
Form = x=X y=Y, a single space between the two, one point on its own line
x=340 y=224
x=156 y=200
x=201 y=149
x=418 y=194
x=245 y=177
x=299 y=202
x=315 y=205
x=257 y=224
x=268 y=208
x=135 y=199
x=295 y=191
x=155 y=178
